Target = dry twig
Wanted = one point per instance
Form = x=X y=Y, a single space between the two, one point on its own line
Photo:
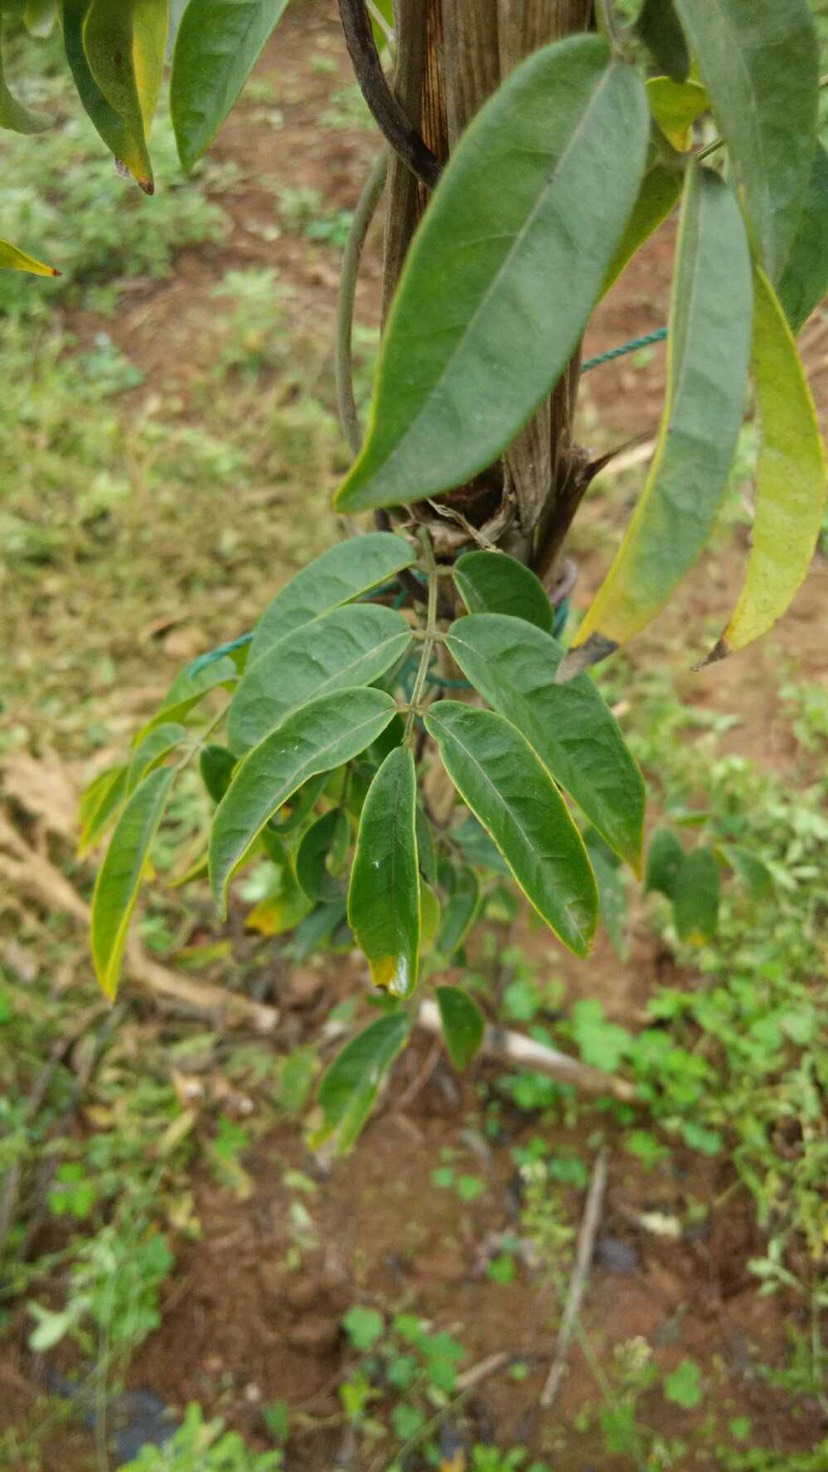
x=580 y=1274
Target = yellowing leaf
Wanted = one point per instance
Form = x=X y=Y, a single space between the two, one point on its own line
x=12 y=259
x=708 y=357
x=99 y=45
x=108 y=40
x=675 y=107
x=150 y=22
x=790 y=480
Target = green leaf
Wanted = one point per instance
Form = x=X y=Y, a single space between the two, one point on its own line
x=683 y=1387
x=791 y=478
x=347 y=647
x=660 y=30
x=316 y=738
x=675 y=107
x=696 y=896
x=341 y=574
x=323 y=849
x=153 y=750
x=601 y=1043
x=99 y=807
x=217 y=765
x=12 y=259
x=751 y=870
x=500 y=778
x=120 y=875
x=665 y=857
x=121 y=136
x=804 y=281
x=349 y=1089
x=708 y=354
x=124 y=46
x=477 y=846
x=576 y=737
x=216 y=49
x=15 y=116
x=459 y=914
x=503 y=272
x=384 y=893
x=491 y=582
x=426 y=853
x=659 y=193
x=759 y=62
x=463 y=1024
x=187 y=690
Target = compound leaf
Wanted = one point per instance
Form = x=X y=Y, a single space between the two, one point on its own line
x=316 y=738
x=504 y=271
x=512 y=795
x=384 y=893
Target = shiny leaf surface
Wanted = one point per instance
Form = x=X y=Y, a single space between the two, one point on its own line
x=490 y=582
x=384 y=893
x=349 y=646
x=339 y=576
x=503 y=272
x=511 y=793
x=569 y=726
x=316 y=738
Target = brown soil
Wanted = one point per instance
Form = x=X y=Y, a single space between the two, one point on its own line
x=246 y=1323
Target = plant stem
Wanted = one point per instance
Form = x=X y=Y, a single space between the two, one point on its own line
x=344 y=368
x=430 y=636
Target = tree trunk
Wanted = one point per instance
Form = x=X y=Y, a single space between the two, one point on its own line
x=451 y=55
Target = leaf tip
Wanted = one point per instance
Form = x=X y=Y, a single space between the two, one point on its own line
x=596 y=648
x=721 y=650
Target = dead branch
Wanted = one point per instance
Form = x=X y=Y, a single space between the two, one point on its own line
x=33 y=875
x=504 y=1046
x=580 y=1274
